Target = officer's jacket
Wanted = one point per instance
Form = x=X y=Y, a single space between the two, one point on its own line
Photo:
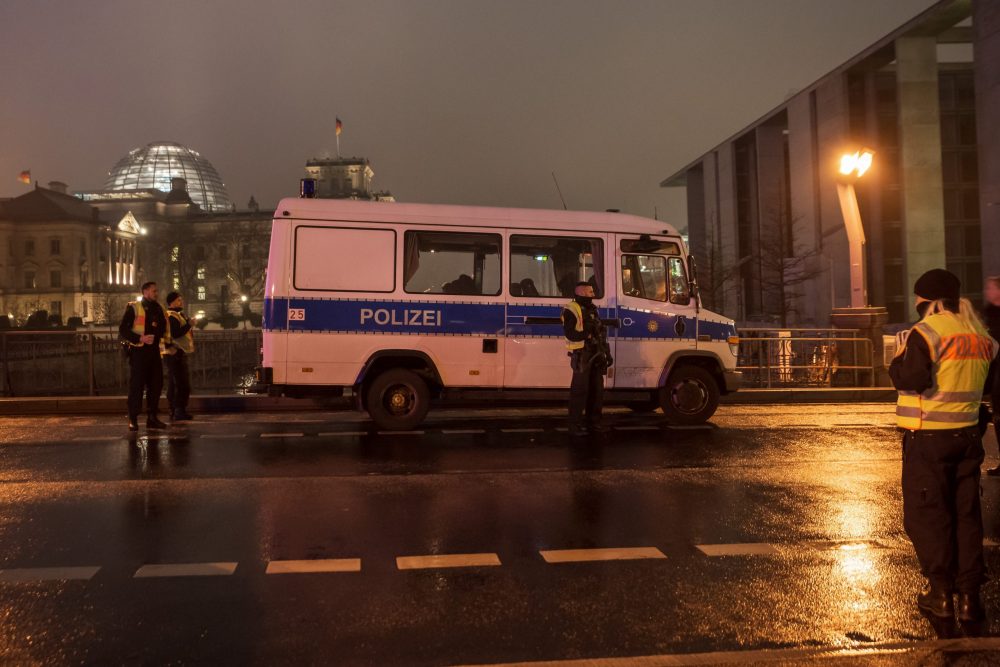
x=153 y=322
x=941 y=373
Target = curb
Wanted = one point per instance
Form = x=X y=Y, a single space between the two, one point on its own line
x=84 y=405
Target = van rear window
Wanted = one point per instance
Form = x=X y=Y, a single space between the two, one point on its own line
x=345 y=260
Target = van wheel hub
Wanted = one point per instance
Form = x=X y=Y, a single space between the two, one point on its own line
x=689 y=396
x=400 y=399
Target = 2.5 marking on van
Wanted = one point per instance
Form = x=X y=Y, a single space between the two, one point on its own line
x=401 y=316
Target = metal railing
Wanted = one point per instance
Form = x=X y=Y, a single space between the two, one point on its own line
x=788 y=358
x=92 y=363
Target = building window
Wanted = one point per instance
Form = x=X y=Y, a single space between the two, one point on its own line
x=86 y=308
x=201 y=272
x=29 y=280
x=55 y=247
x=55 y=278
x=29 y=248
x=201 y=293
x=83 y=248
x=55 y=308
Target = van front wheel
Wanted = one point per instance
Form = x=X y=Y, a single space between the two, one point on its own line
x=690 y=396
x=398 y=400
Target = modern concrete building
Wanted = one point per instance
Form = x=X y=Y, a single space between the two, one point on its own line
x=764 y=219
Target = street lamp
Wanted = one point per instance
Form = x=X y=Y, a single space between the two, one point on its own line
x=852 y=167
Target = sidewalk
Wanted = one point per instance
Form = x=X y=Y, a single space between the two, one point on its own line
x=83 y=405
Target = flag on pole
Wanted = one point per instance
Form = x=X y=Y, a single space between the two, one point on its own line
x=340 y=127
x=25 y=177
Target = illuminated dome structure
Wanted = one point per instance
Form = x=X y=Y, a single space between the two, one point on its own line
x=153 y=165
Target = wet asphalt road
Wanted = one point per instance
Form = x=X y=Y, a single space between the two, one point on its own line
x=805 y=498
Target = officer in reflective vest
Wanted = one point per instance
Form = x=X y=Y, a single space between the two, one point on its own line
x=587 y=347
x=939 y=370
x=142 y=327
x=175 y=357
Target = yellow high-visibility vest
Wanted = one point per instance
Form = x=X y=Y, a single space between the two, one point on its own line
x=574 y=308
x=186 y=342
x=961 y=359
x=139 y=323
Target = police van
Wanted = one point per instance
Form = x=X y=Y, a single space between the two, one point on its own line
x=402 y=303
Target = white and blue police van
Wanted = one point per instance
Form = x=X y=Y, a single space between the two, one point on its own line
x=402 y=303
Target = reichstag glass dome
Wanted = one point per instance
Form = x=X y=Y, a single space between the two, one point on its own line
x=153 y=165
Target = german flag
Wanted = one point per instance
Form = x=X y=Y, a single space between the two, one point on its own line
x=25 y=177
x=340 y=127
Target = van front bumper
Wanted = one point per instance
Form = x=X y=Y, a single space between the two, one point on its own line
x=733 y=380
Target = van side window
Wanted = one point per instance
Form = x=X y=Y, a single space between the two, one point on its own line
x=345 y=260
x=551 y=266
x=655 y=278
x=451 y=263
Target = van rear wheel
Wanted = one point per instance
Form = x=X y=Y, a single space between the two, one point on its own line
x=398 y=400
x=690 y=396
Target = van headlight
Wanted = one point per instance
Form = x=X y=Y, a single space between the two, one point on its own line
x=734 y=345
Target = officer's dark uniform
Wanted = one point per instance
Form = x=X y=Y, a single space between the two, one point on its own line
x=588 y=352
x=940 y=375
x=145 y=367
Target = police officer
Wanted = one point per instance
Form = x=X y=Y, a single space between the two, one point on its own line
x=590 y=358
x=939 y=370
x=175 y=357
x=142 y=327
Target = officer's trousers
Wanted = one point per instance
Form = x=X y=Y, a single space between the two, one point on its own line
x=178 y=381
x=586 y=391
x=145 y=375
x=941 y=510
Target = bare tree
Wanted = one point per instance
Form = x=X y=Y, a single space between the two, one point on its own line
x=785 y=267
x=245 y=260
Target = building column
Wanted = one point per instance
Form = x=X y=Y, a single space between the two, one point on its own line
x=986 y=50
x=920 y=156
x=728 y=234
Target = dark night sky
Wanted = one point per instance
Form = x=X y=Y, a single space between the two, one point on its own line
x=453 y=101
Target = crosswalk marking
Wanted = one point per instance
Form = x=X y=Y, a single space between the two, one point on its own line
x=400 y=432
x=749 y=549
x=522 y=430
x=584 y=555
x=447 y=560
x=25 y=574
x=314 y=566
x=463 y=431
x=221 y=569
x=282 y=435
x=342 y=433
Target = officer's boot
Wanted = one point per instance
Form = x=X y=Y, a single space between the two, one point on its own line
x=936 y=601
x=970 y=607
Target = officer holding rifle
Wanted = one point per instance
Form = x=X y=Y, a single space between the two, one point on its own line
x=590 y=358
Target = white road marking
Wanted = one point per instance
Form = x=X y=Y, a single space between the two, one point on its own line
x=314 y=566
x=584 y=555
x=224 y=435
x=749 y=549
x=522 y=430
x=282 y=435
x=400 y=432
x=344 y=433
x=223 y=569
x=49 y=573
x=463 y=431
x=446 y=560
